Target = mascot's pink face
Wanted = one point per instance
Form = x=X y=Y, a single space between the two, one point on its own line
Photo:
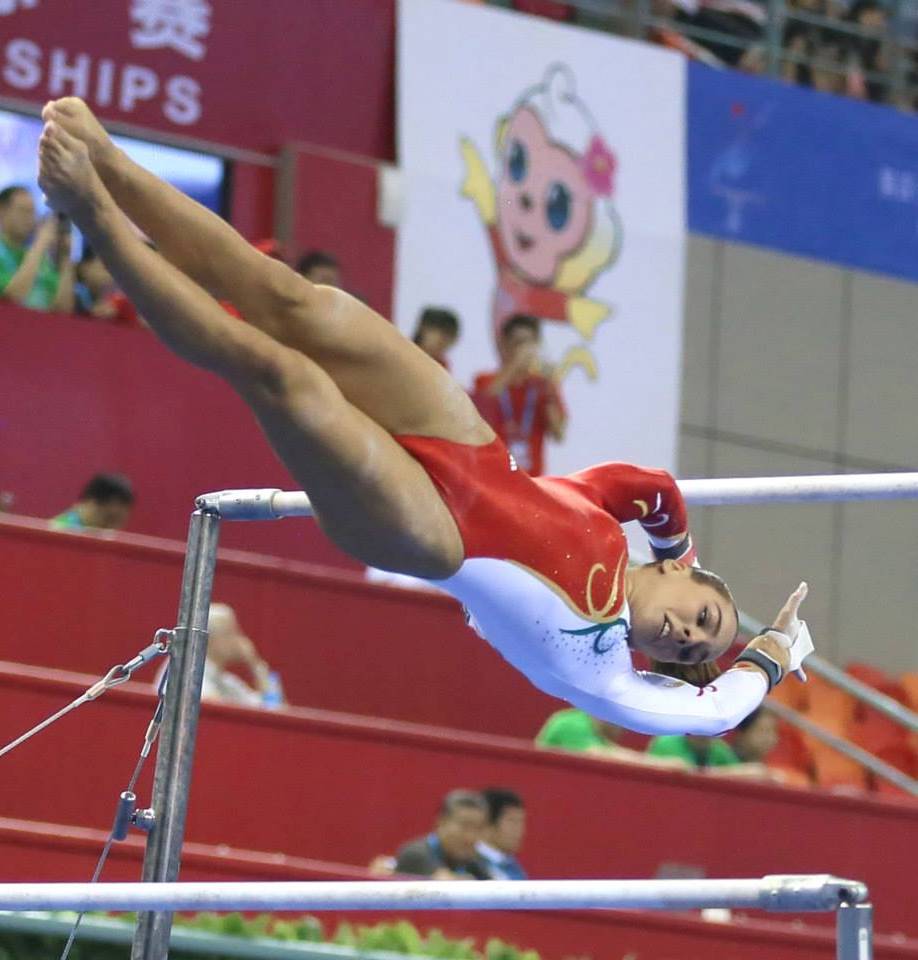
x=545 y=204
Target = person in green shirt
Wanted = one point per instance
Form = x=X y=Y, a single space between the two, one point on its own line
x=755 y=737
x=104 y=504
x=41 y=274
x=578 y=732
x=697 y=753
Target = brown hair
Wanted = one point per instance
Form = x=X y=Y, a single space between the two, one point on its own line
x=697 y=674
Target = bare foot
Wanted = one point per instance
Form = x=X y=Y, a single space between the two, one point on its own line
x=79 y=121
x=65 y=172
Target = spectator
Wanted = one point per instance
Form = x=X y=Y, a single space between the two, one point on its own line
x=229 y=646
x=869 y=49
x=736 y=20
x=578 y=732
x=756 y=736
x=320 y=267
x=95 y=287
x=503 y=836
x=104 y=504
x=40 y=275
x=448 y=853
x=436 y=333
x=520 y=401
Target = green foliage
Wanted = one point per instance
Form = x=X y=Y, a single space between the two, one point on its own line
x=398 y=936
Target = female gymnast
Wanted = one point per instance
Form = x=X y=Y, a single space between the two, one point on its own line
x=403 y=473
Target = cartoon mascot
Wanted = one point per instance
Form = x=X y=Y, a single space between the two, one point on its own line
x=550 y=218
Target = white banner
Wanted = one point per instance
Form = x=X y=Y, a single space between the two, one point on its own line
x=543 y=173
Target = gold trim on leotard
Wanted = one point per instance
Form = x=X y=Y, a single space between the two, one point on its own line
x=609 y=612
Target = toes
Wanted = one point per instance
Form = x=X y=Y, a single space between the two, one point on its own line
x=68 y=105
x=66 y=139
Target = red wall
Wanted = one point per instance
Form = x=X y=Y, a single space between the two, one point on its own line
x=251 y=201
x=344 y=789
x=78 y=396
x=338 y=642
x=36 y=852
x=333 y=202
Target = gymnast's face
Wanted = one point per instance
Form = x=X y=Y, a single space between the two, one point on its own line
x=677 y=618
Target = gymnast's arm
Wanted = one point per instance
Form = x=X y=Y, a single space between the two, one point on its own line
x=653 y=704
x=652 y=497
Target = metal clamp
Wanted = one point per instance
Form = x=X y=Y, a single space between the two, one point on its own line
x=127 y=815
x=266 y=504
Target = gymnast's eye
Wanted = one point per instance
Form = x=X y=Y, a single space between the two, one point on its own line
x=558 y=206
x=517 y=162
x=703 y=617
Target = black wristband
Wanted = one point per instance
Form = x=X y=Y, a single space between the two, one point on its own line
x=675 y=552
x=771 y=667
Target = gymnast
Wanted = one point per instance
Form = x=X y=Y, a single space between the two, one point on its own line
x=403 y=474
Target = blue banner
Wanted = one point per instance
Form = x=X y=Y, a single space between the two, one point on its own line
x=802 y=172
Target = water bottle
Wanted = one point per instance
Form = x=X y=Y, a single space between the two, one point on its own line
x=273 y=697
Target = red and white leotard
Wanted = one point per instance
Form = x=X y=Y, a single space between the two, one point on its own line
x=543 y=582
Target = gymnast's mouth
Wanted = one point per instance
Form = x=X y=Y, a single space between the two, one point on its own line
x=524 y=241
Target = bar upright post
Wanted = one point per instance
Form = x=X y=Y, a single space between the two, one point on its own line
x=175 y=753
x=854 y=931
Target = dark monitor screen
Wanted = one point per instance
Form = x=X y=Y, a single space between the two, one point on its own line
x=200 y=175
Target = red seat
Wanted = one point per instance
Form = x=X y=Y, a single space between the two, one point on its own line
x=869 y=728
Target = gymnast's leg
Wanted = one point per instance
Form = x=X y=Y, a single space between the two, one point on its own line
x=371 y=497
x=373 y=365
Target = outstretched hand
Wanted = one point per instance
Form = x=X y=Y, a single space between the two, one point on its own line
x=787 y=641
x=787 y=620
x=789 y=623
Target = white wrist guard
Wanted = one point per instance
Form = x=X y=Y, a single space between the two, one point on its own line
x=798 y=642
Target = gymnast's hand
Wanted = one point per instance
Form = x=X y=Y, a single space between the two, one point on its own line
x=795 y=630
x=779 y=642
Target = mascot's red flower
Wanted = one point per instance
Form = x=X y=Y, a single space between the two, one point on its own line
x=598 y=165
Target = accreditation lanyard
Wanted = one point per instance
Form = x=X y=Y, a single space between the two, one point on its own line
x=527 y=420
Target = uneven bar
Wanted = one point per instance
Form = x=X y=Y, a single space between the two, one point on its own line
x=814 y=489
x=273 y=504
x=778 y=893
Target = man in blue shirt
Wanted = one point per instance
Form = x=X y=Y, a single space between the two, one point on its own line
x=448 y=853
x=504 y=834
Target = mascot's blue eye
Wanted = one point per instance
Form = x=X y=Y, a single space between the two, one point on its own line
x=558 y=206
x=517 y=161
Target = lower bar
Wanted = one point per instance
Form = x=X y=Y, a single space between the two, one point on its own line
x=778 y=893
x=854 y=926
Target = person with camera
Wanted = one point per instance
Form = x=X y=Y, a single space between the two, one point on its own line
x=39 y=274
x=520 y=401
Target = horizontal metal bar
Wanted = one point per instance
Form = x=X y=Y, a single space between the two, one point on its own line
x=834 y=487
x=267 y=504
x=778 y=893
x=273 y=504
